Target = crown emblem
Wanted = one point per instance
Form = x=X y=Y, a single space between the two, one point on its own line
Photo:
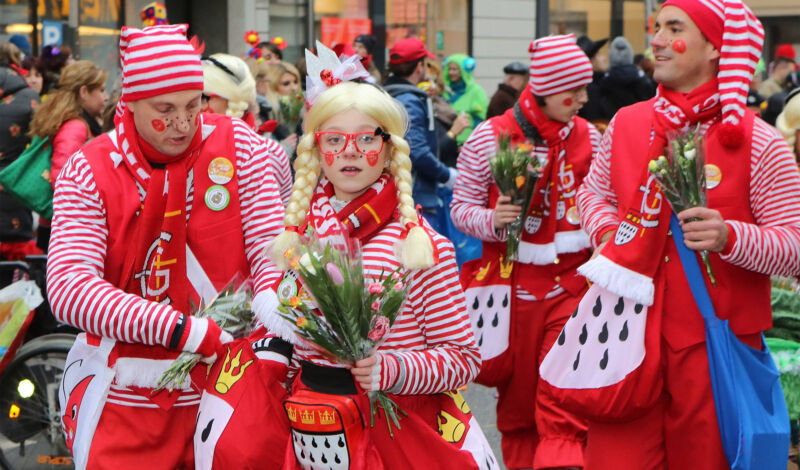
x=505 y=268
x=307 y=417
x=483 y=271
x=459 y=400
x=450 y=427
x=227 y=378
x=327 y=417
x=292 y=414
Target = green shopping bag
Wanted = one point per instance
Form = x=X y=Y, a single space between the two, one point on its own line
x=28 y=177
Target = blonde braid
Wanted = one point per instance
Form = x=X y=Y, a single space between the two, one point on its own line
x=307 y=174
x=416 y=251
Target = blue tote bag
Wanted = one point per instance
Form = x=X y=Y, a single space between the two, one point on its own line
x=751 y=410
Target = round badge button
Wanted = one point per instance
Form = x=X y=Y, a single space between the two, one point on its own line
x=713 y=176
x=217 y=198
x=572 y=216
x=220 y=170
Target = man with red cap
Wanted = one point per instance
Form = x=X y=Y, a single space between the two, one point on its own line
x=705 y=55
x=160 y=213
x=518 y=308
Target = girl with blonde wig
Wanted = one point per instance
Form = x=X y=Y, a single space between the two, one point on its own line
x=353 y=179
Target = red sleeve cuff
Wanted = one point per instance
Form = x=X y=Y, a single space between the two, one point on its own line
x=603 y=230
x=726 y=250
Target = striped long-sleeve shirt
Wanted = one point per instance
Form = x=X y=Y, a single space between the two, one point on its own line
x=770 y=246
x=432 y=333
x=78 y=293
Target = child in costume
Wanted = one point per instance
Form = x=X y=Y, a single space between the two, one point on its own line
x=519 y=308
x=430 y=351
x=463 y=93
x=142 y=215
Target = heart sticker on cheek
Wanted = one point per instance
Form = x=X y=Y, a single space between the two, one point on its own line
x=567 y=101
x=158 y=125
x=372 y=159
x=329 y=159
x=679 y=46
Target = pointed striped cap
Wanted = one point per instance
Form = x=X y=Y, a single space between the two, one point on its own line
x=158 y=60
x=557 y=64
x=738 y=35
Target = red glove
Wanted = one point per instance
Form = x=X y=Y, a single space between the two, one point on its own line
x=202 y=336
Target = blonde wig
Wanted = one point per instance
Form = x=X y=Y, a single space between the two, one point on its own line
x=416 y=251
x=236 y=84
x=788 y=121
x=63 y=103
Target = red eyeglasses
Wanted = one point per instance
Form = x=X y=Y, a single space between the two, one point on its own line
x=367 y=143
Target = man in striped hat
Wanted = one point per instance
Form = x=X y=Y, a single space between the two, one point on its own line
x=162 y=212
x=705 y=55
x=519 y=307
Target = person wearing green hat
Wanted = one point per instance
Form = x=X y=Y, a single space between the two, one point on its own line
x=463 y=93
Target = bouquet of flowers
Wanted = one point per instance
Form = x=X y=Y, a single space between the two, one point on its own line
x=231 y=310
x=682 y=177
x=343 y=313
x=289 y=107
x=515 y=171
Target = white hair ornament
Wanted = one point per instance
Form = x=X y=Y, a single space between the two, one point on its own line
x=325 y=70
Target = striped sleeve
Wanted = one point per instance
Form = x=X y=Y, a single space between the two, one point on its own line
x=772 y=244
x=450 y=358
x=597 y=202
x=261 y=205
x=78 y=294
x=469 y=208
x=280 y=167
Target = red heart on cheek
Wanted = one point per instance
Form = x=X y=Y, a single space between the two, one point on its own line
x=158 y=125
x=679 y=46
x=329 y=159
x=372 y=159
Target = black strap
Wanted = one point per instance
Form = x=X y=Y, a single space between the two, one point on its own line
x=177 y=332
x=330 y=380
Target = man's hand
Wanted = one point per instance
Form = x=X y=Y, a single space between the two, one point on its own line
x=504 y=212
x=603 y=240
x=709 y=233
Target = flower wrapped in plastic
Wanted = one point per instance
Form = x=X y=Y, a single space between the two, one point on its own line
x=231 y=310
x=682 y=177
x=516 y=172
x=289 y=110
x=341 y=312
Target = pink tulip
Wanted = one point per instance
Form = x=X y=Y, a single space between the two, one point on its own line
x=375 y=288
x=380 y=326
x=376 y=306
x=335 y=273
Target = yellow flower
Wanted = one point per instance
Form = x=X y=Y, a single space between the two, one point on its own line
x=294 y=301
x=288 y=253
x=520 y=180
x=301 y=322
x=293 y=263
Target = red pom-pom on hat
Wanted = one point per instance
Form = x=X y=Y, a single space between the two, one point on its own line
x=731 y=135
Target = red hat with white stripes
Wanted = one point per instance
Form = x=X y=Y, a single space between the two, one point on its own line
x=158 y=60
x=557 y=64
x=739 y=37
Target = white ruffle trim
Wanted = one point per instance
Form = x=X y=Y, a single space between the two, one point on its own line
x=145 y=373
x=564 y=242
x=619 y=280
x=265 y=308
x=572 y=242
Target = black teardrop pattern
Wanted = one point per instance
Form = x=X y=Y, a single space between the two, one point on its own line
x=623 y=335
x=577 y=361
x=637 y=309
x=575 y=313
x=480 y=321
x=302 y=441
x=337 y=459
x=584 y=335
x=620 y=307
x=327 y=444
x=311 y=457
x=603 y=337
x=302 y=454
x=490 y=302
x=495 y=320
x=314 y=443
x=341 y=444
x=561 y=338
x=598 y=307
x=604 y=360
x=323 y=459
x=475 y=304
x=480 y=340
x=505 y=301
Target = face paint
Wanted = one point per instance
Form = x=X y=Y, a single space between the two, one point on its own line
x=329 y=159
x=679 y=46
x=567 y=102
x=372 y=159
x=158 y=125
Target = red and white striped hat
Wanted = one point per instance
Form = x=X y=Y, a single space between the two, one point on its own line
x=739 y=37
x=557 y=64
x=158 y=60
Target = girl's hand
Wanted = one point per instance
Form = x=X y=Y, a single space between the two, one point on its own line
x=377 y=372
x=504 y=212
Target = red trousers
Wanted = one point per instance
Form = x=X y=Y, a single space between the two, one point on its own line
x=680 y=432
x=137 y=438
x=535 y=431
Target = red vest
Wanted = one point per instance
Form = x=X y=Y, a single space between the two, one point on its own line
x=540 y=279
x=215 y=237
x=741 y=296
